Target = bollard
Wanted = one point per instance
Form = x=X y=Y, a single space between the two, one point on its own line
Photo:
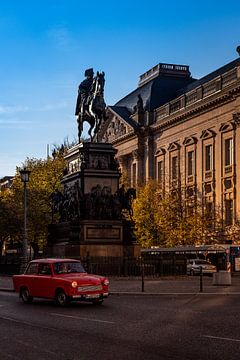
x=142 y=274
x=201 y=279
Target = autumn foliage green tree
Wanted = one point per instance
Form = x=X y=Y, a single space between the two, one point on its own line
x=145 y=217
x=45 y=178
x=10 y=221
x=168 y=218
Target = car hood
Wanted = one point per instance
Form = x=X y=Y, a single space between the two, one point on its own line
x=83 y=278
x=205 y=266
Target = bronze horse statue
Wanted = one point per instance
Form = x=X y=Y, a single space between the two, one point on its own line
x=92 y=108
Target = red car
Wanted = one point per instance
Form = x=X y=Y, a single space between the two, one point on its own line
x=63 y=280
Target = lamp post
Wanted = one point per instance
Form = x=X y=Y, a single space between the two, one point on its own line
x=24 y=173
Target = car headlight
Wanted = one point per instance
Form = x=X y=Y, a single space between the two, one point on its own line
x=106 y=282
x=74 y=284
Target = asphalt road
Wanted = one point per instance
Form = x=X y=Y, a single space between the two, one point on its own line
x=186 y=327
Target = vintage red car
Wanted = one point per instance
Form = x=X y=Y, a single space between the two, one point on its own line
x=63 y=280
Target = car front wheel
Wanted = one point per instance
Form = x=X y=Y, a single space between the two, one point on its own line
x=25 y=296
x=61 y=298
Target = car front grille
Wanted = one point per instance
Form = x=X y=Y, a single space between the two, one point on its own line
x=90 y=288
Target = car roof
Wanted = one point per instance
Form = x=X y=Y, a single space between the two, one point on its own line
x=51 y=260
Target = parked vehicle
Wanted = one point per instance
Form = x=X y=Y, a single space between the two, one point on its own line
x=194 y=267
x=63 y=280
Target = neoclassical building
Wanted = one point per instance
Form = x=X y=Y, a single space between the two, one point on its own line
x=183 y=132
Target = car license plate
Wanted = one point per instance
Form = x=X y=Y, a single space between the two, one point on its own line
x=92 y=296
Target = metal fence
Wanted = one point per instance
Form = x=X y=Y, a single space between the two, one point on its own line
x=126 y=266
x=115 y=266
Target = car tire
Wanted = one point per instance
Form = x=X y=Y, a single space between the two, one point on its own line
x=25 y=296
x=97 y=302
x=61 y=298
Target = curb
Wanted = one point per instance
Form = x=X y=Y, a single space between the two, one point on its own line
x=138 y=293
x=7 y=290
x=119 y=293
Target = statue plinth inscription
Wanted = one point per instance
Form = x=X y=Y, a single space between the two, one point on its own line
x=103 y=234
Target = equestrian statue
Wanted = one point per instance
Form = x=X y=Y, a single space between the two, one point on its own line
x=90 y=105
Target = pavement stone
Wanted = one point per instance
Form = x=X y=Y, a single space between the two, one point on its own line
x=157 y=286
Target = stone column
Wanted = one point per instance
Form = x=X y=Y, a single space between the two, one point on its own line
x=148 y=158
x=135 y=168
x=123 y=163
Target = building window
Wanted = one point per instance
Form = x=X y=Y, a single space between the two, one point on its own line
x=208 y=157
x=160 y=173
x=174 y=167
x=190 y=163
x=228 y=212
x=209 y=208
x=134 y=174
x=228 y=152
x=209 y=211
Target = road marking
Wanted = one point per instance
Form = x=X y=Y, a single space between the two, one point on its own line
x=221 y=338
x=82 y=318
x=22 y=322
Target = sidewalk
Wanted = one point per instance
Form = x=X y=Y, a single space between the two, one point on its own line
x=159 y=286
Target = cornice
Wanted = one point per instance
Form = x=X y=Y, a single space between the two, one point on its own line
x=123 y=138
x=204 y=105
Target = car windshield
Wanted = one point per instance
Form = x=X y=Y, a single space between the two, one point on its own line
x=68 y=267
x=202 y=262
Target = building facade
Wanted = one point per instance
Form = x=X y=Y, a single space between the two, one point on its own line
x=6 y=182
x=183 y=132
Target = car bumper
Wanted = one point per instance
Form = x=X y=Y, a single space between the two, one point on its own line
x=204 y=271
x=90 y=297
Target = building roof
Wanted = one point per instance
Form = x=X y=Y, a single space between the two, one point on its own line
x=124 y=113
x=160 y=85
x=210 y=76
x=6 y=182
x=156 y=91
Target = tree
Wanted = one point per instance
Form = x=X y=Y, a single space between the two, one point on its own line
x=145 y=208
x=45 y=178
x=10 y=222
x=170 y=218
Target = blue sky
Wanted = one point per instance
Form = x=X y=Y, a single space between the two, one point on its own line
x=47 y=45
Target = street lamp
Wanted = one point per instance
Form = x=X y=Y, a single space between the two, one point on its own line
x=24 y=173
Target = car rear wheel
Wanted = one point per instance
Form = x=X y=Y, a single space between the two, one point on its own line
x=25 y=296
x=61 y=298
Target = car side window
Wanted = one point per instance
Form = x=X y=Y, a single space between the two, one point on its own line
x=32 y=269
x=44 y=269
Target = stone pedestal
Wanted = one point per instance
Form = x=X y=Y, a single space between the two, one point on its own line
x=90 y=207
x=92 y=164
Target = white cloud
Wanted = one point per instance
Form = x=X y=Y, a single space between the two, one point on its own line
x=15 y=123
x=59 y=105
x=12 y=109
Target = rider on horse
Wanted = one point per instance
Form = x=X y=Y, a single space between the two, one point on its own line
x=84 y=91
x=90 y=103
